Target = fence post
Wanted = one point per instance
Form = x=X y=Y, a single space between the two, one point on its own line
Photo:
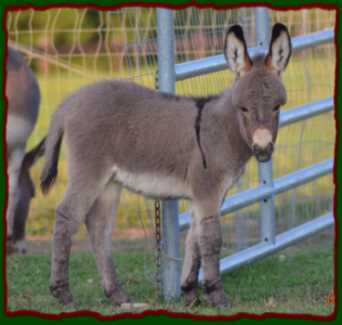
x=171 y=265
x=267 y=209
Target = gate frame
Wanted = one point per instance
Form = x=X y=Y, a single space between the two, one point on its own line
x=168 y=74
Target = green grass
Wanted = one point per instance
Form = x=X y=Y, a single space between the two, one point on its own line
x=297 y=280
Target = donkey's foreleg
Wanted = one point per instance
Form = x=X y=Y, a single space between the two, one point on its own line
x=210 y=242
x=191 y=265
x=99 y=223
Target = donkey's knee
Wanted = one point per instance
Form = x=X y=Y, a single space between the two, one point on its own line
x=67 y=220
x=64 y=228
x=210 y=236
x=210 y=242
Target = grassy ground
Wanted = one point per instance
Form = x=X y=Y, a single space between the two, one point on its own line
x=297 y=280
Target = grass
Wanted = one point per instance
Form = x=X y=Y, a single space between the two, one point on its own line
x=297 y=280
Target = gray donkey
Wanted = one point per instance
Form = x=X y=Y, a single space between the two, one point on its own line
x=119 y=134
x=23 y=98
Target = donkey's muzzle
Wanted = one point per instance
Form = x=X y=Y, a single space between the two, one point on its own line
x=263 y=154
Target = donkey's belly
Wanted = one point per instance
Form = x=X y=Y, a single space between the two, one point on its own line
x=152 y=185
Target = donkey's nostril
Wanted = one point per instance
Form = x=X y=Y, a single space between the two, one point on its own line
x=270 y=147
x=255 y=148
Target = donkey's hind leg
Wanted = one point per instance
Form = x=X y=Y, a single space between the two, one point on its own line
x=15 y=161
x=191 y=266
x=69 y=216
x=99 y=223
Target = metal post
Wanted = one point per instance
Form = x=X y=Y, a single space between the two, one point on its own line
x=240 y=224
x=262 y=24
x=267 y=209
x=171 y=265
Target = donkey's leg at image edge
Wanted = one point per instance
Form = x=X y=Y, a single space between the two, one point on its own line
x=191 y=266
x=69 y=216
x=99 y=223
x=210 y=242
x=14 y=167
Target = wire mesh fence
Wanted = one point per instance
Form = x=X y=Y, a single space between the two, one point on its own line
x=68 y=48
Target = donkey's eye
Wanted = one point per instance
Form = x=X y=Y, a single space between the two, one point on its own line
x=244 y=109
x=276 y=109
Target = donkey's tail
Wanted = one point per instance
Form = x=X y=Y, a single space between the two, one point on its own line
x=52 y=150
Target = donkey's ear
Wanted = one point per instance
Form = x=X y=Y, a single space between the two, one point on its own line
x=280 y=48
x=235 y=51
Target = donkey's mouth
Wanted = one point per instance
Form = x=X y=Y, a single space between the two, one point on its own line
x=263 y=154
x=263 y=157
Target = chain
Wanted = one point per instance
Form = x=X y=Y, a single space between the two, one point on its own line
x=158 y=227
x=158 y=249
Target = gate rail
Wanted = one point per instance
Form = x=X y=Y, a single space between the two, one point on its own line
x=282 y=240
x=195 y=68
x=281 y=184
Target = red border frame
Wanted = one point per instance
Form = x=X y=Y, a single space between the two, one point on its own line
x=136 y=315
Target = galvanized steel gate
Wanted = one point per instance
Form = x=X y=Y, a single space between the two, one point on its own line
x=173 y=222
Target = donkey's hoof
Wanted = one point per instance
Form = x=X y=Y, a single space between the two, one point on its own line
x=118 y=297
x=217 y=298
x=63 y=295
x=10 y=248
x=65 y=299
x=21 y=247
x=190 y=298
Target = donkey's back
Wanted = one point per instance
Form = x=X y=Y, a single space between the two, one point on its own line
x=141 y=135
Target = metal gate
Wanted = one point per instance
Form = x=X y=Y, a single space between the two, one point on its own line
x=173 y=222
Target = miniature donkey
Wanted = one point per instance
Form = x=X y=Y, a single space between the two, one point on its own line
x=23 y=98
x=119 y=134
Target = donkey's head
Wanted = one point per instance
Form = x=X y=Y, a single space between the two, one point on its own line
x=258 y=91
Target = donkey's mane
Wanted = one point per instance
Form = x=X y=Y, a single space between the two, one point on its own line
x=200 y=101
